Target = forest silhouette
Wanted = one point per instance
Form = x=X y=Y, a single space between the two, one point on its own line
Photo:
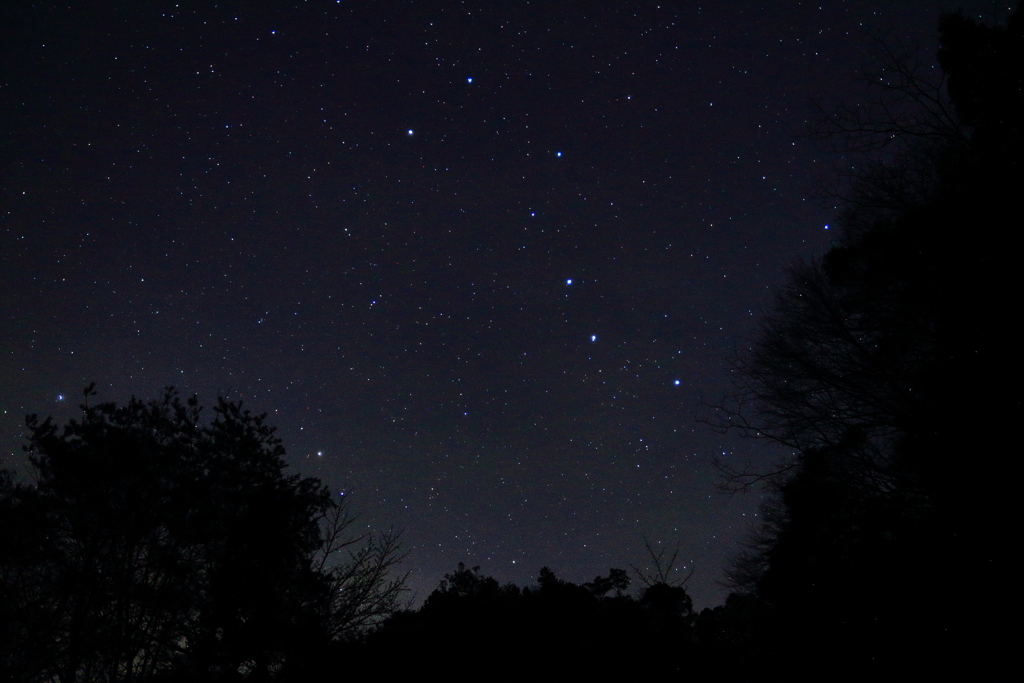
x=155 y=546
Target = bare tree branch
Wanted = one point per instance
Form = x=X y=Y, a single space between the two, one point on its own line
x=364 y=590
x=662 y=572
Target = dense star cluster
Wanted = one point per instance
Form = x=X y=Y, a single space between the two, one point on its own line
x=479 y=262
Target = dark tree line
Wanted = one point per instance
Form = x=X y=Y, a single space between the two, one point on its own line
x=472 y=625
x=154 y=546
x=888 y=370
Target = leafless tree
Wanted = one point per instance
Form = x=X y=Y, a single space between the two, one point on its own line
x=826 y=372
x=663 y=567
x=841 y=372
x=910 y=103
x=747 y=567
x=892 y=144
x=831 y=365
x=364 y=588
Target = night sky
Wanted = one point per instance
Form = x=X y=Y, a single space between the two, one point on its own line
x=479 y=261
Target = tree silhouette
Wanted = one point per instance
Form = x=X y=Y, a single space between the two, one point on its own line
x=155 y=546
x=881 y=369
x=617 y=580
x=359 y=569
x=471 y=623
x=663 y=567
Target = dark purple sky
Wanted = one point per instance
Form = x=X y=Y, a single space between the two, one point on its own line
x=480 y=261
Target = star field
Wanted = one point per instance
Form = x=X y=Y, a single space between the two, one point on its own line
x=480 y=262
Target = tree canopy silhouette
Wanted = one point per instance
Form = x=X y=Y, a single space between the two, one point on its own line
x=471 y=623
x=156 y=546
x=882 y=369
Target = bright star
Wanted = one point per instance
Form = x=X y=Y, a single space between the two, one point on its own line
x=593 y=337
x=409 y=131
x=568 y=282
